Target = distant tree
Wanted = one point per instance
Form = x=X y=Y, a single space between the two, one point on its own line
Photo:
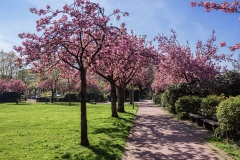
x=3 y=85
x=48 y=84
x=23 y=75
x=236 y=64
x=8 y=69
x=17 y=86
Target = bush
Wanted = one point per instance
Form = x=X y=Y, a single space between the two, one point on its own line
x=182 y=115
x=42 y=99
x=187 y=104
x=209 y=105
x=171 y=95
x=228 y=113
x=157 y=99
x=163 y=100
x=73 y=98
x=8 y=96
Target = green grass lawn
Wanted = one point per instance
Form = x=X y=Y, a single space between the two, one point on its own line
x=52 y=131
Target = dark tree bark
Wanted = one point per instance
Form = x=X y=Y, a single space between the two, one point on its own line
x=84 y=128
x=112 y=82
x=130 y=96
x=52 y=95
x=114 y=100
x=16 y=98
x=120 y=99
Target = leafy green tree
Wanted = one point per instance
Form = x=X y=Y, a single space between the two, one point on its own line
x=228 y=83
x=8 y=69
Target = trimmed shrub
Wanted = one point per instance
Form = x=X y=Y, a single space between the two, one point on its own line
x=182 y=115
x=9 y=96
x=158 y=98
x=171 y=95
x=228 y=113
x=187 y=104
x=42 y=99
x=73 y=98
x=164 y=100
x=209 y=105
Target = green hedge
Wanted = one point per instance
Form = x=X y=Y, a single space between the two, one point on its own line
x=228 y=113
x=209 y=105
x=9 y=96
x=157 y=99
x=171 y=95
x=187 y=104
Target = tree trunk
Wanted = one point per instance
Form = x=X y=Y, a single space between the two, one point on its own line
x=130 y=96
x=16 y=98
x=114 y=100
x=84 y=128
x=52 y=95
x=120 y=99
x=69 y=99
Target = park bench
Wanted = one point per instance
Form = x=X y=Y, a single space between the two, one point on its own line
x=210 y=124
x=196 y=118
x=203 y=121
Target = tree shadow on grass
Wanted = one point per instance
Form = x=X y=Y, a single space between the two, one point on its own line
x=107 y=150
x=127 y=113
x=109 y=147
x=19 y=104
x=123 y=119
x=66 y=104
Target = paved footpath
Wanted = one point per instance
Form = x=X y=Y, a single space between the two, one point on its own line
x=155 y=136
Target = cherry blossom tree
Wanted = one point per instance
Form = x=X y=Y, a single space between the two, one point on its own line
x=50 y=81
x=108 y=64
x=48 y=84
x=69 y=79
x=75 y=39
x=17 y=86
x=127 y=55
x=179 y=65
x=3 y=85
x=224 y=7
x=139 y=56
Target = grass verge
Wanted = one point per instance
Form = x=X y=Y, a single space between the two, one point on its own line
x=231 y=150
x=51 y=131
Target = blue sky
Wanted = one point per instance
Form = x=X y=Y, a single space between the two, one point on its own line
x=149 y=18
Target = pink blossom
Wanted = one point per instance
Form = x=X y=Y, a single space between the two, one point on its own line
x=207 y=6
x=235 y=3
x=222 y=44
x=193 y=3
x=116 y=11
x=48 y=7
x=232 y=48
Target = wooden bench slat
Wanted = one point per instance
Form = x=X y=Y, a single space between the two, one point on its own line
x=210 y=122
x=195 y=116
x=206 y=123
